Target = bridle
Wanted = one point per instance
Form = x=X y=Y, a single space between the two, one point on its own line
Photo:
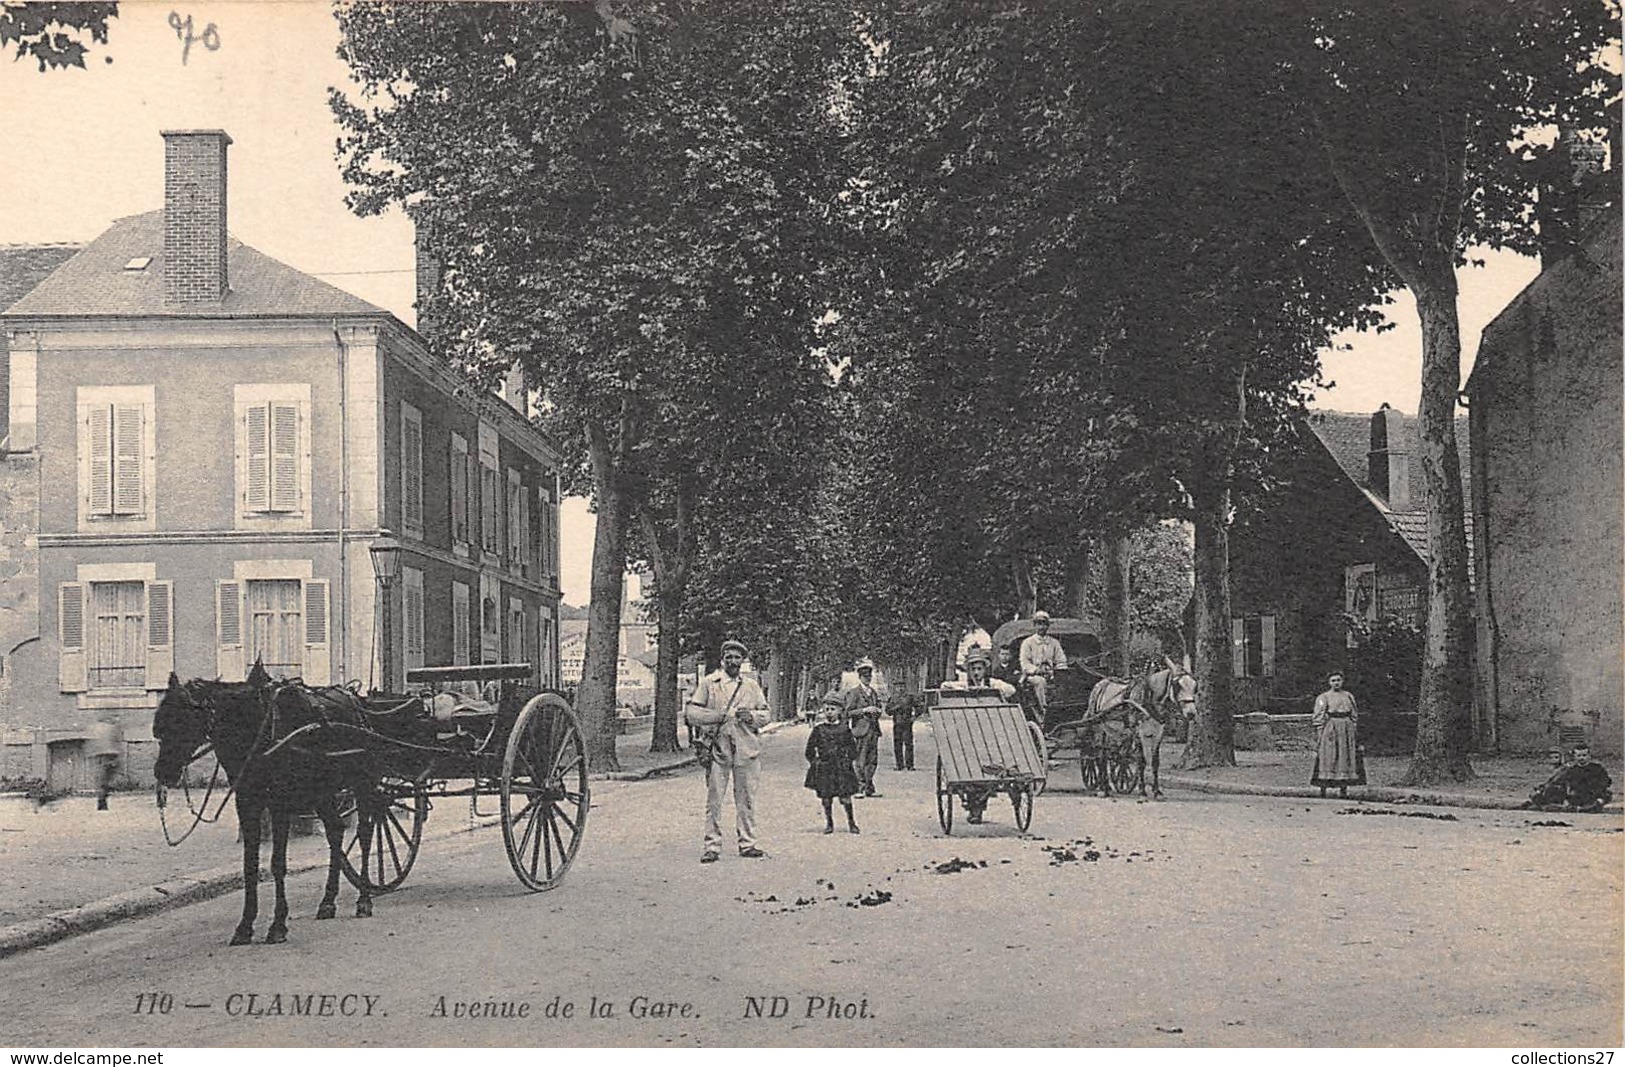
x=200 y=813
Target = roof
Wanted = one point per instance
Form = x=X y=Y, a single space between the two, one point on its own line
x=24 y=266
x=95 y=283
x=1348 y=438
x=1058 y=628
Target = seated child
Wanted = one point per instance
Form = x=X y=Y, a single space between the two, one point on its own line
x=1578 y=786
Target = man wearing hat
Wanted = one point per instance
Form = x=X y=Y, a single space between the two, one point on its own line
x=861 y=704
x=729 y=711
x=1041 y=657
x=977 y=676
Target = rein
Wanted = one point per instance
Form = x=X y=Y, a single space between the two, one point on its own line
x=200 y=815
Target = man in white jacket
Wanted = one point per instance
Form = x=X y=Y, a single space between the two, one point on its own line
x=729 y=711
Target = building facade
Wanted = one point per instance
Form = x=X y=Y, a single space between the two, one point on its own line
x=218 y=441
x=1546 y=401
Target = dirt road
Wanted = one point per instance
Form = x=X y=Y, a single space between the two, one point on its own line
x=1199 y=921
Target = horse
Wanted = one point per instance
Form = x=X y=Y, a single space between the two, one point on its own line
x=1141 y=709
x=246 y=723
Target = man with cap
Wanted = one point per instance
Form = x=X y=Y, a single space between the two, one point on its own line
x=729 y=711
x=977 y=676
x=1041 y=657
x=861 y=704
x=1578 y=786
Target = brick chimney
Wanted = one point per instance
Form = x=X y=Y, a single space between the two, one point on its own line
x=1388 y=465
x=195 y=217
x=429 y=270
x=516 y=389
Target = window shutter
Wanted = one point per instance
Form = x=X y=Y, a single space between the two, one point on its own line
x=73 y=670
x=459 y=623
x=228 y=622
x=160 y=633
x=1267 y=639
x=1238 y=648
x=284 y=457
x=318 y=666
x=470 y=485
x=100 y=426
x=526 y=549
x=459 y=491
x=412 y=609
x=257 y=492
x=127 y=454
x=411 y=473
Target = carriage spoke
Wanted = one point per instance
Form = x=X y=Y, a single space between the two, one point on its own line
x=547 y=844
x=530 y=828
x=567 y=820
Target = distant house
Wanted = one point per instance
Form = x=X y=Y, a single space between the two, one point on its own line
x=1548 y=500
x=1343 y=533
x=213 y=442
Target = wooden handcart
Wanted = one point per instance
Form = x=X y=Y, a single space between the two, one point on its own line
x=985 y=745
x=474 y=731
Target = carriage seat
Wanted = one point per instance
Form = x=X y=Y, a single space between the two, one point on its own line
x=453 y=705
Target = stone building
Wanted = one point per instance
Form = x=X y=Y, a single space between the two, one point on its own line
x=215 y=441
x=1548 y=499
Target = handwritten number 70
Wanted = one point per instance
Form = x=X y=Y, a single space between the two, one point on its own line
x=209 y=38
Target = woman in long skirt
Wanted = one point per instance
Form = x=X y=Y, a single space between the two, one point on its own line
x=831 y=750
x=1337 y=754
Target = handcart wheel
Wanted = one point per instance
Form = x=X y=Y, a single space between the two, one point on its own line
x=398 y=811
x=1043 y=754
x=1124 y=778
x=1022 y=798
x=1089 y=765
x=545 y=797
x=945 y=800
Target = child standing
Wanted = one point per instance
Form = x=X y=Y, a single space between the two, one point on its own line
x=831 y=750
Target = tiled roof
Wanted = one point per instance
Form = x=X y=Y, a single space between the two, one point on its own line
x=1348 y=438
x=24 y=266
x=94 y=282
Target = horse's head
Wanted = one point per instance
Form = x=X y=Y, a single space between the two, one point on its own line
x=181 y=724
x=1181 y=688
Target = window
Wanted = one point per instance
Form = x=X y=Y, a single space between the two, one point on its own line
x=276 y=626
x=516 y=522
x=116 y=454
x=544 y=532
x=273 y=453
x=411 y=471
x=459 y=494
x=459 y=623
x=549 y=663
x=490 y=494
x=273 y=613
x=516 y=632
x=1252 y=652
x=412 y=612
x=115 y=634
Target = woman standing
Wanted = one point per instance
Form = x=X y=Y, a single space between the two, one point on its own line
x=831 y=750
x=1337 y=755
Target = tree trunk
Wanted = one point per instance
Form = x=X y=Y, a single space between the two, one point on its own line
x=1021 y=570
x=1115 y=618
x=595 y=700
x=1444 y=715
x=668 y=700
x=1212 y=739
x=1076 y=593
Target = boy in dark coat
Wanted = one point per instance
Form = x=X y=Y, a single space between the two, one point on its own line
x=1578 y=786
x=831 y=750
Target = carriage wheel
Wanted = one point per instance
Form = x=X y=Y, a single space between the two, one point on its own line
x=1022 y=798
x=545 y=797
x=393 y=837
x=945 y=800
x=1125 y=778
x=1043 y=755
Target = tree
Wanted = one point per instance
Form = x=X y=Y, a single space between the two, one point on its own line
x=629 y=195
x=55 y=35
x=1428 y=116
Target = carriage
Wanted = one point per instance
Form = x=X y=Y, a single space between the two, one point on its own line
x=477 y=732
x=1114 y=733
x=985 y=746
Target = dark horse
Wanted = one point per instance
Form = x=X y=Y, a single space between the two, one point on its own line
x=1127 y=719
x=247 y=724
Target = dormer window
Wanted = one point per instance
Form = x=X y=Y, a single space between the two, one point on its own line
x=138 y=263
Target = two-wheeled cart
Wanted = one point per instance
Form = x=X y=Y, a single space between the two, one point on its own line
x=985 y=745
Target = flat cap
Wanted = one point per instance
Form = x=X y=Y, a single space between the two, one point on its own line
x=832 y=699
x=864 y=664
x=732 y=645
x=1041 y=616
x=977 y=654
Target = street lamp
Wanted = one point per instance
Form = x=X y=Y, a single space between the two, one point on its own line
x=386 y=567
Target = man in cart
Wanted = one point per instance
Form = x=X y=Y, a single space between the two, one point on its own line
x=1041 y=657
x=728 y=712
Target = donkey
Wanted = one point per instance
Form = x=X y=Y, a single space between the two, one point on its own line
x=1141 y=709
x=246 y=723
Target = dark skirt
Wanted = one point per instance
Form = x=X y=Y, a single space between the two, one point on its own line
x=830 y=752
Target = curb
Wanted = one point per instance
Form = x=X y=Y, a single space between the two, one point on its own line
x=139 y=903
x=1378 y=793
x=649 y=772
